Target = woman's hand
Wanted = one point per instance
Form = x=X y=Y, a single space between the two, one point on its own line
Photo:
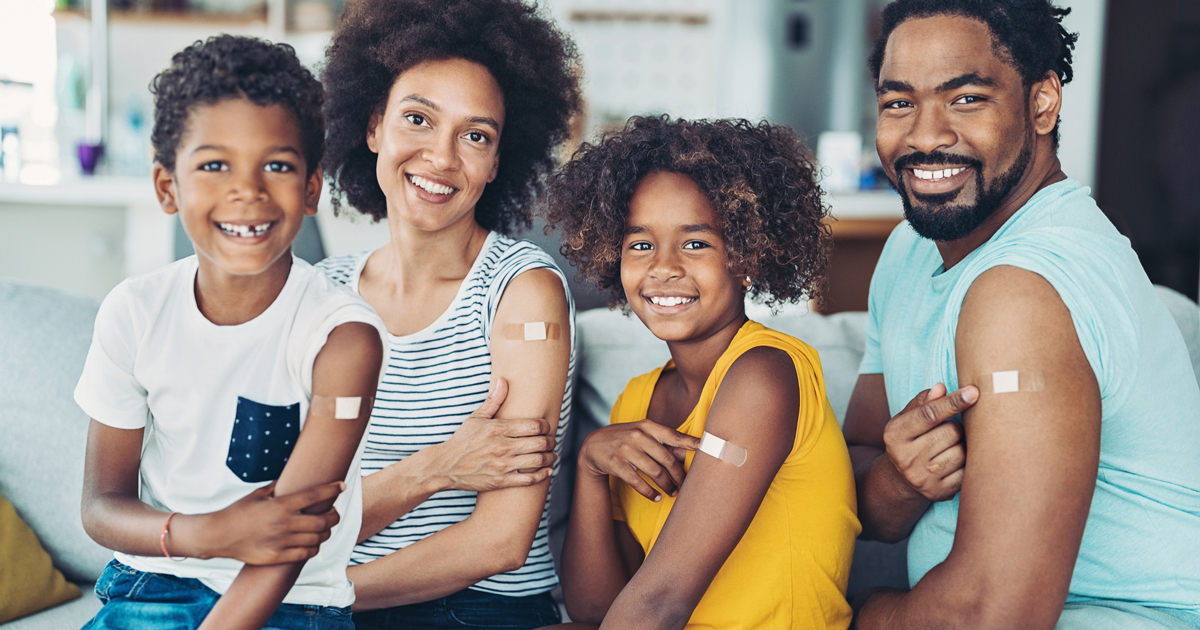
x=624 y=449
x=487 y=454
x=261 y=528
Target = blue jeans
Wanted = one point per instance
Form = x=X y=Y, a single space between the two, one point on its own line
x=135 y=600
x=465 y=609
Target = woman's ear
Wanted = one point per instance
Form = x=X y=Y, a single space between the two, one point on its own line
x=373 y=131
x=164 y=188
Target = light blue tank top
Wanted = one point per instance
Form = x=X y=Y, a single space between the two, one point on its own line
x=1142 y=539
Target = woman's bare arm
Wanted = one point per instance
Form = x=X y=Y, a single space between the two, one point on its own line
x=496 y=538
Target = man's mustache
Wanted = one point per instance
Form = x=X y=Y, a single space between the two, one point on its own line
x=935 y=158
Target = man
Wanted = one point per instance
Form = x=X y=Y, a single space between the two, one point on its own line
x=1081 y=487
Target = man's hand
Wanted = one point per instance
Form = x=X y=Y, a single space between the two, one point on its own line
x=925 y=446
x=487 y=454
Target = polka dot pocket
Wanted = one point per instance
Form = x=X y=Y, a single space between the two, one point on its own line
x=263 y=438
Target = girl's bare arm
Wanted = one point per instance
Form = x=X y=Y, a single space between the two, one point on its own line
x=756 y=408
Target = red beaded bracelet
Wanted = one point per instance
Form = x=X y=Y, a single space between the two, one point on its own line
x=162 y=540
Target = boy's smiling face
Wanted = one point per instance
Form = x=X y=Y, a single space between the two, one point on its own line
x=240 y=185
x=674 y=264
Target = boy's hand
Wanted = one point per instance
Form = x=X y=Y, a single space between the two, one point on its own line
x=622 y=450
x=262 y=528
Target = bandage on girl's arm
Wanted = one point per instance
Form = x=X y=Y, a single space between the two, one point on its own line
x=347 y=367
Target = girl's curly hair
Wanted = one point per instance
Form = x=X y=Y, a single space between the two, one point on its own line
x=228 y=66
x=760 y=180
x=535 y=66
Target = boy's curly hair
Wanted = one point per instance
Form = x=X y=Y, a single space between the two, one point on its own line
x=535 y=66
x=1028 y=34
x=228 y=66
x=760 y=180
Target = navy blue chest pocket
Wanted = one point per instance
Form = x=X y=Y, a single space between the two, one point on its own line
x=263 y=438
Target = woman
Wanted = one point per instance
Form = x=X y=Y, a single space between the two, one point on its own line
x=442 y=118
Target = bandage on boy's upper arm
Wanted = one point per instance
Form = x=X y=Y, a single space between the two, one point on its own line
x=531 y=331
x=1010 y=381
x=341 y=407
x=722 y=450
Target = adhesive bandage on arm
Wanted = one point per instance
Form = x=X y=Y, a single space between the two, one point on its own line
x=722 y=450
x=531 y=331
x=1010 y=381
x=341 y=407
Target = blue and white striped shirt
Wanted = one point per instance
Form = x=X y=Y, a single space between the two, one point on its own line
x=433 y=380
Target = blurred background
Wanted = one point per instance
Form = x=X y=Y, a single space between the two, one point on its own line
x=77 y=209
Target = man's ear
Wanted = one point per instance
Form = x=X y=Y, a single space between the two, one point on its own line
x=373 y=131
x=1046 y=102
x=312 y=191
x=164 y=188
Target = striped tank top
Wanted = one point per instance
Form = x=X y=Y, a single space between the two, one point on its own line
x=434 y=379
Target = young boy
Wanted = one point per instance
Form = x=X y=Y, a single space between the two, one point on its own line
x=229 y=391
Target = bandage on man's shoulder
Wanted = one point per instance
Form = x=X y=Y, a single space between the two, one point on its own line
x=1010 y=381
x=341 y=407
x=722 y=450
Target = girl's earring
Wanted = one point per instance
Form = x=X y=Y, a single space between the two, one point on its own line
x=748 y=283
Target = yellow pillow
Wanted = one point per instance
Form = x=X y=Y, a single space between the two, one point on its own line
x=28 y=580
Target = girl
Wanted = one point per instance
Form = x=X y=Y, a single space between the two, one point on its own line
x=682 y=220
x=442 y=120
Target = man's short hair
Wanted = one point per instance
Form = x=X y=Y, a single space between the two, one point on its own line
x=1026 y=34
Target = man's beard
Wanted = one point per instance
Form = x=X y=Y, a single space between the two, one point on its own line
x=936 y=219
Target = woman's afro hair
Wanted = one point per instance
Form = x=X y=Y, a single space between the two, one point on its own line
x=228 y=66
x=760 y=180
x=1028 y=34
x=535 y=66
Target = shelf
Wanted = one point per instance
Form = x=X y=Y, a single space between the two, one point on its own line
x=170 y=17
x=689 y=19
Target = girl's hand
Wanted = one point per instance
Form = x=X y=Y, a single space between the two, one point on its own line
x=624 y=449
x=262 y=528
x=489 y=454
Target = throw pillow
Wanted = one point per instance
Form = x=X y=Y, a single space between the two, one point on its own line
x=28 y=580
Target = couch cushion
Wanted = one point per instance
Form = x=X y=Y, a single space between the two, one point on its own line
x=28 y=580
x=44 y=338
x=67 y=616
x=1187 y=316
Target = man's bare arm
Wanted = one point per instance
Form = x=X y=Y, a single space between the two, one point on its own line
x=1032 y=468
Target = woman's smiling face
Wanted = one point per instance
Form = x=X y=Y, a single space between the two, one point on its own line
x=438 y=142
x=674 y=264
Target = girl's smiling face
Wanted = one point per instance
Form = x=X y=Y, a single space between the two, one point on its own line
x=674 y=264
x=438 y=141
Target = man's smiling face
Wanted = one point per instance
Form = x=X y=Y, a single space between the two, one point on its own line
x=954 y=133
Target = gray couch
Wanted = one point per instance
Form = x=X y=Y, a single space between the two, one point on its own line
x=44 y=337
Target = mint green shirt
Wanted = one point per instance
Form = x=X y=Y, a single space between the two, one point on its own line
x=1142 y=539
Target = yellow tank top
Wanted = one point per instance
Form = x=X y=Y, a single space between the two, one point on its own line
x=790 y=568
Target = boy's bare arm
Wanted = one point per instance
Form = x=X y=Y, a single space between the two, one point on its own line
x=1031 y=472
x=756 y=408
x=498 y=535
x=347 y=366
x=261 y=528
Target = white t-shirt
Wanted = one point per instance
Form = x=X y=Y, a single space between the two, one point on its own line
x=222 y=405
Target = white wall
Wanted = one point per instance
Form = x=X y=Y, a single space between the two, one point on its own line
x=1080 y=128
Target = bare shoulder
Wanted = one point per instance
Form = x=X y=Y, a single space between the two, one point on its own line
x=760 y=390
x=1012 y=311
